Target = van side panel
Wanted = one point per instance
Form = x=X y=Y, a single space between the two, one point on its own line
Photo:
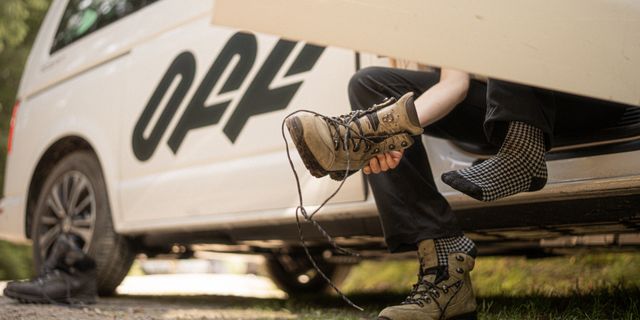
x=202 y=126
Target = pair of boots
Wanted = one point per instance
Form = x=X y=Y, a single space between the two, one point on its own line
x=339 y=146
x=68 y=277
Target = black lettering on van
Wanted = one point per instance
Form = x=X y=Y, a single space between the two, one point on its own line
x=183 y=66
x=259 y=98
x=197 y=114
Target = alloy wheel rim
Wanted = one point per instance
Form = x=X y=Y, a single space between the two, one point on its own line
x=70 y=209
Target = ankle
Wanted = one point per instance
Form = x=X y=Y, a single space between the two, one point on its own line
x=446 y=246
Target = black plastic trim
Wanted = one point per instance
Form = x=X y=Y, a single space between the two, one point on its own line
x=557 y=216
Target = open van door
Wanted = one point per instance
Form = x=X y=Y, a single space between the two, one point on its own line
x=589 y=48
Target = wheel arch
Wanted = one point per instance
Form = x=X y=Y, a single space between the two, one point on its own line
x=49 y=159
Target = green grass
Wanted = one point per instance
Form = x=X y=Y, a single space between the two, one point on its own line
x=15 y=261
x=582 y=286
x=514 y=276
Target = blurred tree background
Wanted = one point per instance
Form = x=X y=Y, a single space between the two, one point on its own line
x=19 y=23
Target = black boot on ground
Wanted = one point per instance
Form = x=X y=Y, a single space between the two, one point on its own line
x=68 y=277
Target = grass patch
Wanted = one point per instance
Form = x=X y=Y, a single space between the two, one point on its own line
x=15 y=261
x=559 y=276
x=610 y=303
x=513 y=276
x=582 y=286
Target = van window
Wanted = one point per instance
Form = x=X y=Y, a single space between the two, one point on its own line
x=82 y=17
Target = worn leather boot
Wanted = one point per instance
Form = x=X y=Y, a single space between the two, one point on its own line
x=441 y=293
x=68 y=277
x=333 y=145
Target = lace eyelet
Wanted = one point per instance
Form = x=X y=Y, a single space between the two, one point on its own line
x=460 y=258
x=459 y=270
x=392 y=146
x=403 y=144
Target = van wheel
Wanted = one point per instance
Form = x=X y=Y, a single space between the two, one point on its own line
x=74 y=200
x=295 y=274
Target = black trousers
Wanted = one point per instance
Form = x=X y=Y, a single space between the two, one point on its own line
x=410 y=206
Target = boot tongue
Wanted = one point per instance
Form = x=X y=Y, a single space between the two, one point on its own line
x=437 y=274
x=432 y=272
x=428 y=260
x=64 y=255
x=410 y=109
x=58 y=252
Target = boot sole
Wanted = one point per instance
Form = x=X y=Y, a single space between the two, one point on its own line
x=81 y=299
x=297 y=134
x=339 y=175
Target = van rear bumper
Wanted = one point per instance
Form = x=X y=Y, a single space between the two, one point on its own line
x=12 y=224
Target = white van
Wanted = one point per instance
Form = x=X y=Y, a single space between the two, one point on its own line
x=139 y=127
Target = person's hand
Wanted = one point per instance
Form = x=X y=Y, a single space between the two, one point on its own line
x=383 y=162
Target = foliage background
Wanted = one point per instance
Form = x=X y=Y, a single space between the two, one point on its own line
x=19 y=23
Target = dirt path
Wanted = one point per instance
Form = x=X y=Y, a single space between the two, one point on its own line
x=145 y=308
x=169 y=297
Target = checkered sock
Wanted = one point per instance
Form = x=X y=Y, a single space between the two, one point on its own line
x=519 y=166
x=445 y=246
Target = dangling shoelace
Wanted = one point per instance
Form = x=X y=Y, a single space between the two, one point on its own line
x=348 y=139
x=301 y=210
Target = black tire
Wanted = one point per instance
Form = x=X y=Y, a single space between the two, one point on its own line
x=294 y=274
x=79 y=176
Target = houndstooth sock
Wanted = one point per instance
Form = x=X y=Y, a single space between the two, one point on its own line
x=519 y=166
x=445 y=246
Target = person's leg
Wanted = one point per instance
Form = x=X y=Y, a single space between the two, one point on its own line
x=520 y=119
x=414 y=214
x=410 y=206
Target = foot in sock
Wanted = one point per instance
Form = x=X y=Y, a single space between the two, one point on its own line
x=443 y=290
x=518 y=167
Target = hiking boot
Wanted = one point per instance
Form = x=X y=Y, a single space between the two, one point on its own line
x=68 y=277
x=441 y=293
x=333 y=145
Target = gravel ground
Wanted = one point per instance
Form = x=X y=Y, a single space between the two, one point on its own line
x=141 y=308
x=169 y=297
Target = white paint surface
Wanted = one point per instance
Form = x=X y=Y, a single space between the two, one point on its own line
x=588 y=47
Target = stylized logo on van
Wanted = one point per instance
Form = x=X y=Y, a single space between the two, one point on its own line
x=259 y=97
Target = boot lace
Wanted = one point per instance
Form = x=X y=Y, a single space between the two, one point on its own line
x=302 y=211
x=352 y=137
x=48 y=273
x=424 y=292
